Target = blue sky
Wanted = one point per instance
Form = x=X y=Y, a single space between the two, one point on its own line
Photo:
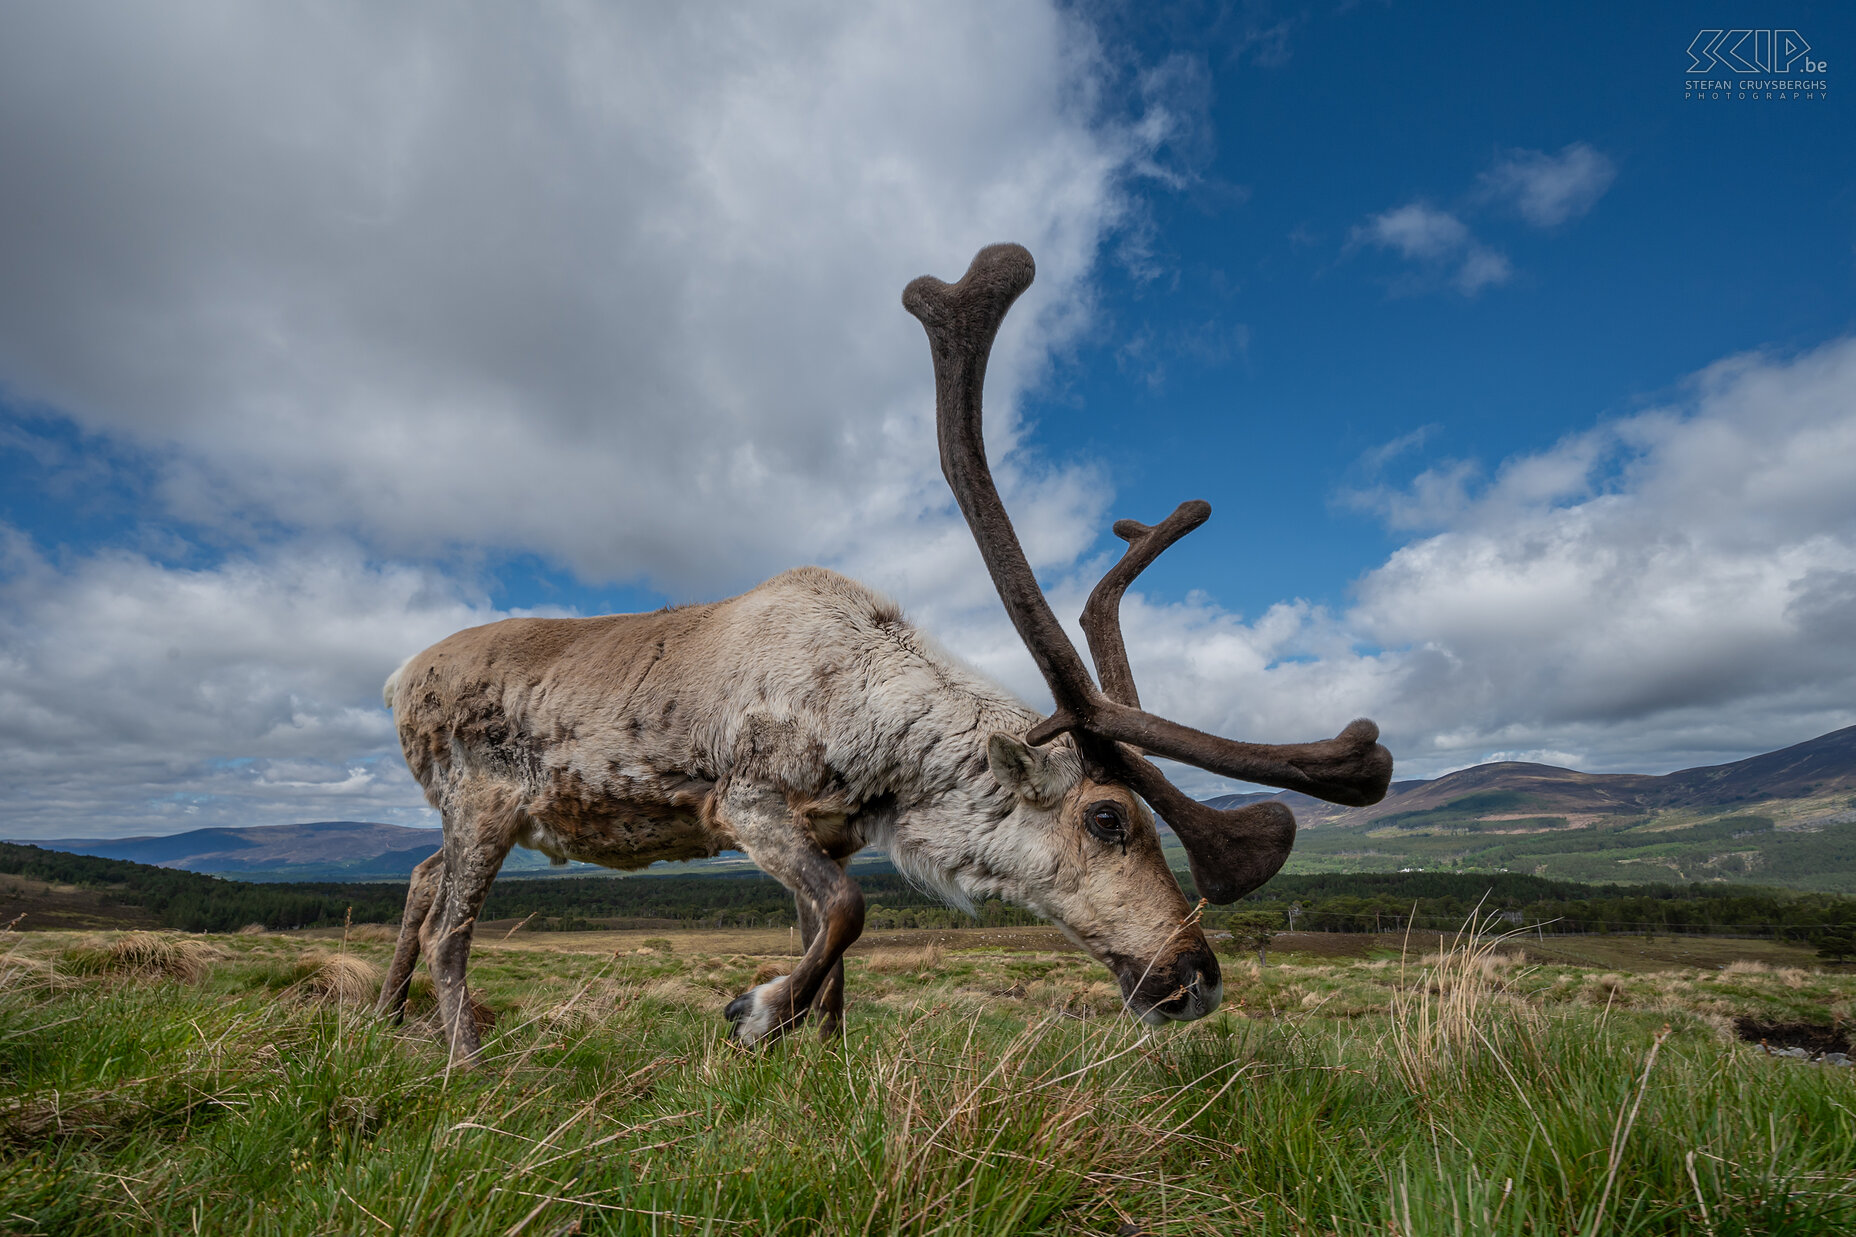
x=1523 y=388
x=1726 y=227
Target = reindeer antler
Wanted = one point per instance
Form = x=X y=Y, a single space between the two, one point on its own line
x=1232 y=852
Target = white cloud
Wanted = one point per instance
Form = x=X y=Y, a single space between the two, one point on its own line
x=1417 y=231
x=627 y=298
x=1438 y=240
x=1547 y=190
x=1481 y=268
x=1674 y=588
x=617 y=285
x=1678 y=587
x=137 y=697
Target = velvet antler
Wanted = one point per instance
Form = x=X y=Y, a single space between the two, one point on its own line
x=1232 y=852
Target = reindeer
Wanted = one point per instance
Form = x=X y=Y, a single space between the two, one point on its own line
x=807 y=719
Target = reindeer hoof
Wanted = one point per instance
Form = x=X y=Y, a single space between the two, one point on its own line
x=761 y=1015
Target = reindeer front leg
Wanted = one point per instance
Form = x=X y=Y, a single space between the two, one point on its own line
x=779 y=840
x=830 y=999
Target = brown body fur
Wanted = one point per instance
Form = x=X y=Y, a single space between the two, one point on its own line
x=797 y=722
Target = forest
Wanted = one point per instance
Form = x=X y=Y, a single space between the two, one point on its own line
x=1360 y=902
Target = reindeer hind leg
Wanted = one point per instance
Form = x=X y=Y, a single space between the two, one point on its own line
x=479 y=830
x=421 y=892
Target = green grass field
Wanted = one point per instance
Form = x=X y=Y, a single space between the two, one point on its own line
x=236 y=1084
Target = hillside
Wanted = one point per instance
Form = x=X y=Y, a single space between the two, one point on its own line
x=349 y=850
x=1783 y=818
x=41 y=889
x=332 y=849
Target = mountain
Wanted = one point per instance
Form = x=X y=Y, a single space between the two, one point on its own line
x=1783 y=818
x=349 y=850
x=320 y=850
x=1786 y=818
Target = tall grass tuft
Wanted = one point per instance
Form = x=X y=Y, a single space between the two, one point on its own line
x=20 y=972
x=144 y=955
x=904 y=961
x=335 y=979
x=1457 y=1010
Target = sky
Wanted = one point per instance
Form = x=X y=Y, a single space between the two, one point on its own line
x=1517 y=364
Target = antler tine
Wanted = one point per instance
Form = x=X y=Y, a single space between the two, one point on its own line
x=1352 y=768
x=961 y=320
x=1102 y=612
x=1231 y=851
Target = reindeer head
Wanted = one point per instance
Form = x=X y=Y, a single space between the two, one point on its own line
x=1231 y=852
x=1083 y=852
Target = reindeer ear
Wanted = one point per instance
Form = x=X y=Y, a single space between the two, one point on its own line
x=1024 y=770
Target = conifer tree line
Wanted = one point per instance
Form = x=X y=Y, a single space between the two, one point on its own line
x=1339 y=902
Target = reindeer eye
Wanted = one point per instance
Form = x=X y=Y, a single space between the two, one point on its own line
x=1105 y=821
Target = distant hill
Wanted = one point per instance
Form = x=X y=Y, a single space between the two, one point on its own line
x=320 y=850
x=346 y=850
x=1785 y=818
x=41 y=889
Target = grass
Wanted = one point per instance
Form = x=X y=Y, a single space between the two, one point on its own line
x=1471 y=1089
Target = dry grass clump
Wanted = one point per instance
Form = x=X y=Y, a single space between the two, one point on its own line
x=253 y=929
x=1745 y=967
x=1456 y=1011
x=595 y=1005
x=603 y=1002
x=904 y=961
x=674 y=990
x=19 y=973
x=769 y=971
x=376 y=933
x=29 y=1120
x=335 y=979
x=1490 y=967
x=1603 y=989
x=1075 y=1000
x=422 y=1009
x=145 y=955
x=1248 y=970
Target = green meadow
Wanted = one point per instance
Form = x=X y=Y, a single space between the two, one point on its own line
x=987 y=1083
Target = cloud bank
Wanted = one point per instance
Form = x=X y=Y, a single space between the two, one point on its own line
x=615 y=285
x=1668 y=589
